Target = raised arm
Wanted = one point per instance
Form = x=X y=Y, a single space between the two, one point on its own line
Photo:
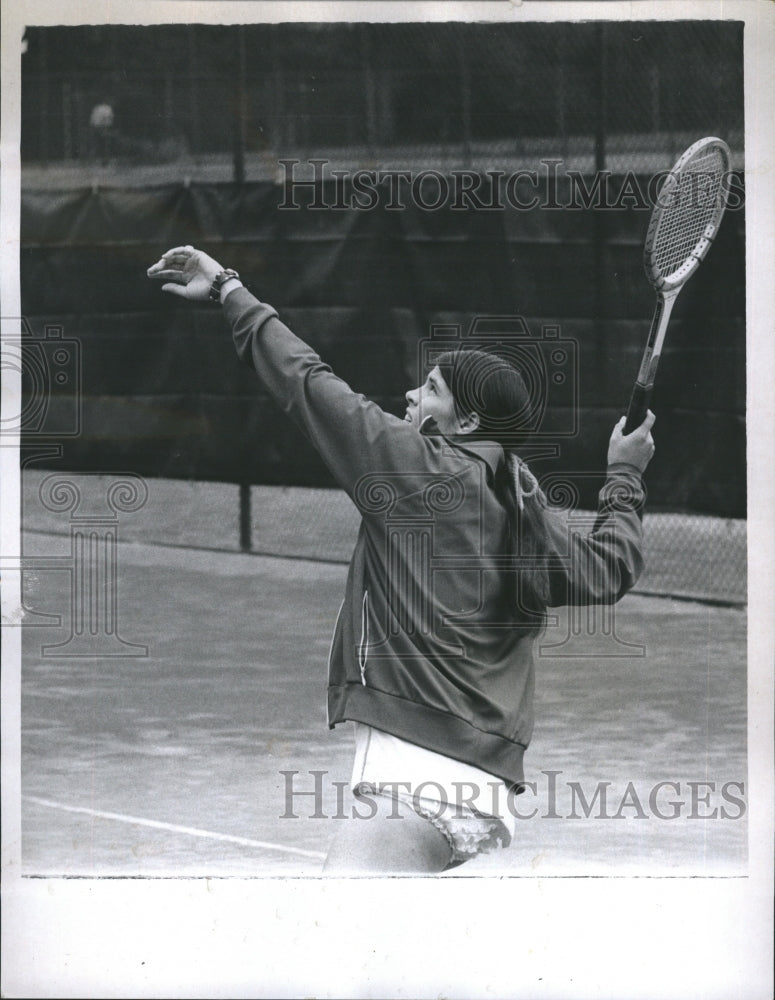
x=353 y=435
x=599 y=565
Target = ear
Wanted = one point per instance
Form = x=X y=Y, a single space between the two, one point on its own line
x=468 y=423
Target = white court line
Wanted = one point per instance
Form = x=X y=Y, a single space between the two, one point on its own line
x=192 y=831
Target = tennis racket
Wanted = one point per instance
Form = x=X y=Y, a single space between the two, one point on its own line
x=683 y=224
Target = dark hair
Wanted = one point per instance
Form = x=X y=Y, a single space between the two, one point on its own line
x=491 y=387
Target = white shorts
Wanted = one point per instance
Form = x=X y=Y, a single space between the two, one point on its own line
x=467 y=805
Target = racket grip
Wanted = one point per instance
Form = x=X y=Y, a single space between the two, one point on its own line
x=639 y=404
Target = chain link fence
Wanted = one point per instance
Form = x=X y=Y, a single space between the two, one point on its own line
x=619 y=96
x=687 y=556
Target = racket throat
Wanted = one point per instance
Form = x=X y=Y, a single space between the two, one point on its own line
x=659 y=322
x=644 y=384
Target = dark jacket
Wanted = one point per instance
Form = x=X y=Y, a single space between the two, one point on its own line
x=428 y=645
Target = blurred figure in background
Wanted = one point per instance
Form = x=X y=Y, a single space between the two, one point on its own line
x=101 y=121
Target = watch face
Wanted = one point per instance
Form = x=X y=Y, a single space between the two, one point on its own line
x=220 y=279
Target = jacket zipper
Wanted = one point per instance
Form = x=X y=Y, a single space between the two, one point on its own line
x=364 y=643
x=330 y=652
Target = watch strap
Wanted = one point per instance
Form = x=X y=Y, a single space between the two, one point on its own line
x=219 y=280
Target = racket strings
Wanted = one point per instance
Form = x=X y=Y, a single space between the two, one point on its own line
x=693 y=201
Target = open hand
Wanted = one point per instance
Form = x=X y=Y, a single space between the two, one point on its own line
x=636 y=448
x=187 y=272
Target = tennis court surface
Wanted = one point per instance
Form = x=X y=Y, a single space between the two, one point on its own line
x=165 y=755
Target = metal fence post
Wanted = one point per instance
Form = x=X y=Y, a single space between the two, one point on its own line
x=240 y=109
x=245 y=518
x=598 y=229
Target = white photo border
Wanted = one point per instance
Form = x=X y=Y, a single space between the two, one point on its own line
x=618 y=938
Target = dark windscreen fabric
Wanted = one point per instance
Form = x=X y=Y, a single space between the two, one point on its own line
x=153 y=385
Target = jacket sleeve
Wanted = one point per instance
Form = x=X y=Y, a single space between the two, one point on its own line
x=353 y=435
x=598 y=563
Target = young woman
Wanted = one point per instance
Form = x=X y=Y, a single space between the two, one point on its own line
x=457 y=559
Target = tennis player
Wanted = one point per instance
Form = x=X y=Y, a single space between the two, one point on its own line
x=457 y=560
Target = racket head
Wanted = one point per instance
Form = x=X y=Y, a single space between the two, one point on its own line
x=687 y=214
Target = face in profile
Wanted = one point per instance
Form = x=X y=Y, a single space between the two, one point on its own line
x=434 y=400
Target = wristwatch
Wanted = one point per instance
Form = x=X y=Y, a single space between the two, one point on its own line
x=221 y=278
